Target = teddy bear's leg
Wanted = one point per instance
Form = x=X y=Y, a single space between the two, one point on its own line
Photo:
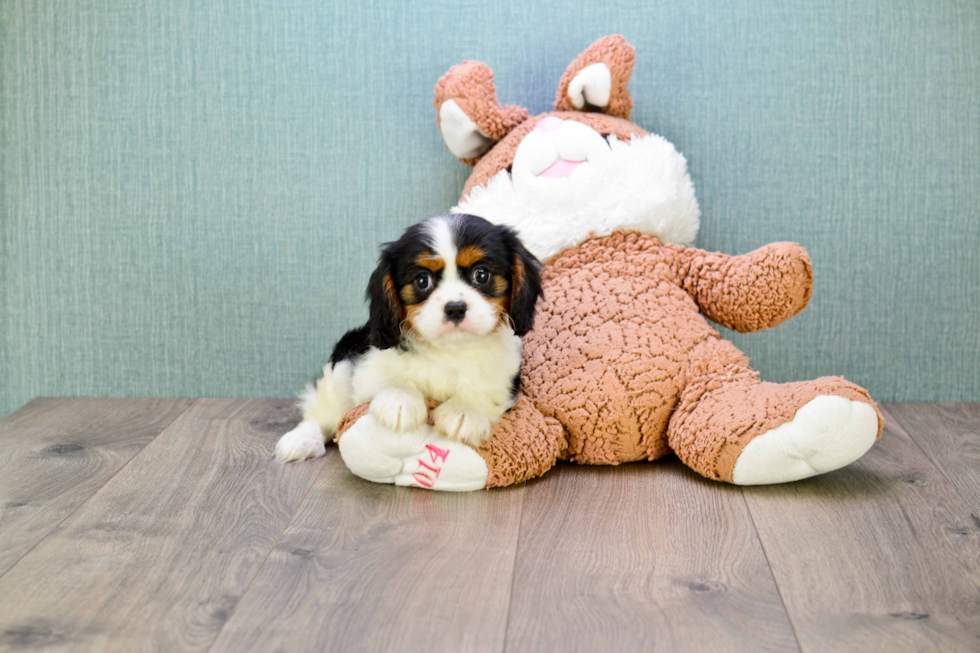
x=420 y=458
x=524 y=444
x=417 y=458
x=730 y=426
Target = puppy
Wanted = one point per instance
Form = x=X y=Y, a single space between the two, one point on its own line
x=449 y=302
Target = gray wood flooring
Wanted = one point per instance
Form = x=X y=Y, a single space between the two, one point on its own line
x=164 y=524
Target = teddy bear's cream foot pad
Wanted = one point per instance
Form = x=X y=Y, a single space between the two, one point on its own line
x=304 y=441
x=418 y=458
x=827 y=433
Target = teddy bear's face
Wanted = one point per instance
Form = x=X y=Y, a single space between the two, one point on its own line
x=561 y=177
x=570 y=136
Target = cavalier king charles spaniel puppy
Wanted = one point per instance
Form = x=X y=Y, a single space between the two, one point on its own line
x=449 y=302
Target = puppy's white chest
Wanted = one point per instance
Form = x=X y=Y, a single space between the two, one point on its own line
x=446 y=376
x=483 y=367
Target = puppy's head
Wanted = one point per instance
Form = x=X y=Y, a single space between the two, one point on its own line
x=451 y=278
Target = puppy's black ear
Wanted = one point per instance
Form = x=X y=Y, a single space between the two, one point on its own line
x=525 y=286
x=386 y=311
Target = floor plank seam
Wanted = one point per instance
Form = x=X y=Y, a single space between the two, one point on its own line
x=513 y=571
x=272 y=548
x=772 y=572
x=98 y=489
x=935 y=463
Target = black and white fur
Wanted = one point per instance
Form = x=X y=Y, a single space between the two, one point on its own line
x=449 y=302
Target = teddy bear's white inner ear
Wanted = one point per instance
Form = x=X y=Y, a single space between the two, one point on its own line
x=460 y=134
x=592 y=84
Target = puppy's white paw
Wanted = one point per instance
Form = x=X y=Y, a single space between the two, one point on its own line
x=460 y=425
x=399 y=409
x=304 y=441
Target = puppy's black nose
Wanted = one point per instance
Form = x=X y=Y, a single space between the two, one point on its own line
x=455 y=311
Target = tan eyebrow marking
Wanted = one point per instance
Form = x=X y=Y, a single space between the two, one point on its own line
x=430 y=262
x=469 y=255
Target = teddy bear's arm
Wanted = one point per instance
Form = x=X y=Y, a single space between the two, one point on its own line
x=751 y=292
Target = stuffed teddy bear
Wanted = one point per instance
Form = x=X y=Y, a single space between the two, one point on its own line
x=622 y=364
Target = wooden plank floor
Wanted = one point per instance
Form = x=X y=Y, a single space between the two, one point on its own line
x=164 y=524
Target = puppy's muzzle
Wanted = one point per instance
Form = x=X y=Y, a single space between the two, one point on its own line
x=455 y=311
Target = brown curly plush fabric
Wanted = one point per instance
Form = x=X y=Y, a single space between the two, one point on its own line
x=620 y=345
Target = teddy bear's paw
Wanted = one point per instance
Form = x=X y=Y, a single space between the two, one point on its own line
x=461 y=425
x=418 y=458
x=827 y=433
x=399 y=409
x=304 y=441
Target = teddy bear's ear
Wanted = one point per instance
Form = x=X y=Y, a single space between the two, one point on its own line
x=597 y=79
x=469 y=116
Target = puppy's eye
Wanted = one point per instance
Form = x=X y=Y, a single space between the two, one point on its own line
x=480 y=276
x=423 y=281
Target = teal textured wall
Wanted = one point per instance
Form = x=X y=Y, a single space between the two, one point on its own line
x=192 y=192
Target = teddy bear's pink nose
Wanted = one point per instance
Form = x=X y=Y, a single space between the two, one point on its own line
x=550 y=123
